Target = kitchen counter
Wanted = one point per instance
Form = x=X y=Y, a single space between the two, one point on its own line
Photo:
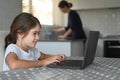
x=55 y=40
x=114 y=37
x=67 y=47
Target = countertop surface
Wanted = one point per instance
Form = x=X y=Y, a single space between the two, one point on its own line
x=101 y=69
x=55 y=40
x=102 y=38
x=111 y=37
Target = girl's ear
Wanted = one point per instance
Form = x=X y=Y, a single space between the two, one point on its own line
x=20 y=35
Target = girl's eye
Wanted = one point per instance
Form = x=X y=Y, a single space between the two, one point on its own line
x=36 y=33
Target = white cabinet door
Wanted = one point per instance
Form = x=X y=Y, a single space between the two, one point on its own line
x=111 y=3
x=94 y=4
x=81 y=4
x=55 y=47
x=97 y=4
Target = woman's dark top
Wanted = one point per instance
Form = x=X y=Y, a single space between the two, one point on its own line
x=75 y=23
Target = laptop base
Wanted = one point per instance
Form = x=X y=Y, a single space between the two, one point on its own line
x=68 y=64
x=89 y=54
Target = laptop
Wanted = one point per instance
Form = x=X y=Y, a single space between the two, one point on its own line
x=89 y=54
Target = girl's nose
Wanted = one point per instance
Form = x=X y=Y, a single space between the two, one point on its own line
x=37 y=37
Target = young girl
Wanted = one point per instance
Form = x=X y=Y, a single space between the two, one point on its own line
x=20 y=45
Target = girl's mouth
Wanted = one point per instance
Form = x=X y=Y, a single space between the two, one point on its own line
x=35 y=42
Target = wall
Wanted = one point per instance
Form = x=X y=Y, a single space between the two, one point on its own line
x=8 y=10
x=2 y=36
x=107 y=21
x=57 y=14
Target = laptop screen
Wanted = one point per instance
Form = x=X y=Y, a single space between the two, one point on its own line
x=90 y=48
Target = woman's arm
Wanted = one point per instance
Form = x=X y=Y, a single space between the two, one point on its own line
x=65 y=36
x=59 y=29
x=69 y=32
x=14 y=63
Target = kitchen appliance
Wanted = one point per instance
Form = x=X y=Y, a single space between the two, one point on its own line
x=112 y=48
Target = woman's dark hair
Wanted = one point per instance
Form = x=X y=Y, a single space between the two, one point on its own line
x=64 y=3
x=22 y=23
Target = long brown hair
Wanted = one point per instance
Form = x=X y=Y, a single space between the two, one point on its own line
x=22 y=24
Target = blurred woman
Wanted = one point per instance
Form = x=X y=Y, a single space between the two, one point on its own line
x=74 y=29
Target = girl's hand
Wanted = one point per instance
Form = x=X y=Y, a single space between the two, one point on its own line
x=62 y=57
x=55 y=58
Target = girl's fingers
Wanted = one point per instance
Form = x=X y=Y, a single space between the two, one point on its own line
x=62 y=57
x=57 y=59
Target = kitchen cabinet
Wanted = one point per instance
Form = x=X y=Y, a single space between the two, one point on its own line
x=69 y=48
x=100 y=48
x=108 y=47
x=81 y=4
x=94 y=4
x=111 y=3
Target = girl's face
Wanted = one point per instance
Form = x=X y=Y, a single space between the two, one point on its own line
x=30 y=40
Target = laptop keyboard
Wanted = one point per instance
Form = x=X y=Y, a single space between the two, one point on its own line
x=68 y=64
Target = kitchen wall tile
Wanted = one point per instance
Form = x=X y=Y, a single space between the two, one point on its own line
x=107 y=21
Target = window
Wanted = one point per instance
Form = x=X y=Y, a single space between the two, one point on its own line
x=42 y=9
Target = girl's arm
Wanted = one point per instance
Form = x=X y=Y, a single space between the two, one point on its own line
x=44 y=56
x=14 y=63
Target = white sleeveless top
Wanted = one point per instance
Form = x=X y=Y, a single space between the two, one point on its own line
x=32 y=54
